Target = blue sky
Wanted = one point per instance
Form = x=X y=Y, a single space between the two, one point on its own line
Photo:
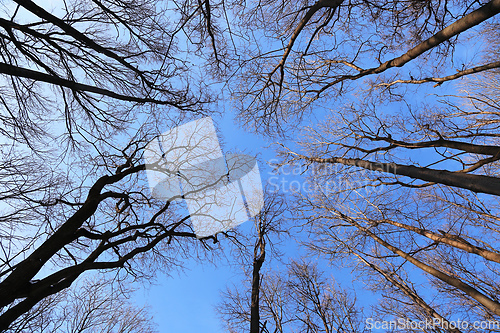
x=186 y=301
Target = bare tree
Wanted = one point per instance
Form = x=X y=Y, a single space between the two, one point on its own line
x=403 y=175
x=89 y=306
x=91 y=65
x=106 y=225
x=310 y=55
x=238 y=311
x=299 y=299
x=439 y=220
x=85 y=87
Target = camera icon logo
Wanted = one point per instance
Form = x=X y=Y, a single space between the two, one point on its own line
x=186 y=163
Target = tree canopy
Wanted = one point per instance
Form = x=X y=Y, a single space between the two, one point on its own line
x=391 y=108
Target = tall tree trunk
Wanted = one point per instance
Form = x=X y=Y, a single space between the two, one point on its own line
x=258 y=260
x=472 y=182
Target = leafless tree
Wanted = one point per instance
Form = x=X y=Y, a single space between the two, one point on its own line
x=403 y=175
x=397 y=203
x=300 y=299
x=59 y=230
x=89 y=306
x=91 y=65
x=85 y=87
x=308 y=55
x=237 y=310
x=77 y=81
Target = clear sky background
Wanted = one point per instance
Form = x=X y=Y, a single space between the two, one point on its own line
x=186 y=301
